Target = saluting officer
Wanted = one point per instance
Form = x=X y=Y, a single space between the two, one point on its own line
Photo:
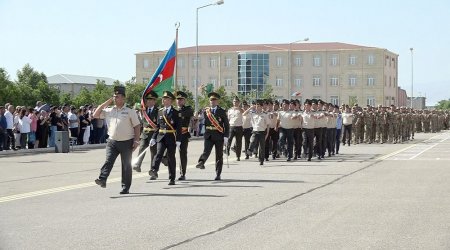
x=216 y=133
x=166 y=136
x=236 y=130
x=149 y=119
x=123 y=130
x=185 y=113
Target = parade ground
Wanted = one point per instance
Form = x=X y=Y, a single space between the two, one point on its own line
x=389 y=196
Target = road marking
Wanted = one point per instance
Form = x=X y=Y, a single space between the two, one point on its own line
x=423 y=151
x=394 y=153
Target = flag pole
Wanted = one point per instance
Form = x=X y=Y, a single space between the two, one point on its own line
x=175 y=85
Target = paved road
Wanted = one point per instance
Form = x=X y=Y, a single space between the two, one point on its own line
x=370 y=196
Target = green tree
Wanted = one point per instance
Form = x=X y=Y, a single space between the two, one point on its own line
x=6 y=88
x=28 y=76
x=101 y=92
x=84 y=97
x=267 y=93
x=66 y=98
x=134 y=92
x=443 y=104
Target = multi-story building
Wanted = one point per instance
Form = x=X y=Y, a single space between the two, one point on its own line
x=334 y=72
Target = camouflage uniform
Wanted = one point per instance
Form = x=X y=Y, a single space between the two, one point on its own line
x=367 y=117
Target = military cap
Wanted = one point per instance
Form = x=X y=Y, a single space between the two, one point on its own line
x=276 y=102
x=314 y=101
x=235 y=98
x=320 y=102
x=285 y=101
x=213 y=96
x=260 y=102
x=245 y=103
x=168 y=94
x=268 y=101
x=253 y=102
x=180 y=94
x=292 y=101
x=307 y=101
x=119 y=90
x=151 y=95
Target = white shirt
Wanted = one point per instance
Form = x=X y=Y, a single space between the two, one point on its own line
x=347 y=118
x=73 y=120
x=25 y=125
x=235 y=117
x=9 y=120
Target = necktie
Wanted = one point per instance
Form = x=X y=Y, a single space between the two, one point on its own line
x=214 y=111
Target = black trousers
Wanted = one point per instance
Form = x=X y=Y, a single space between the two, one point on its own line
x=338 y=140
x=238 y=132
x=183 y=153
x=217 y=143
x=247 y=134
x=347 y=134
x=331 y=137
x=272 y=143
x=258 y=141
x=143 y=144
x=308 y=141
x=113 y=149
x=10 y=140
x=318 y=141
x=286 y=135
x=324 y=140
x=2 y=139
x=298 y=139
x=167 y=142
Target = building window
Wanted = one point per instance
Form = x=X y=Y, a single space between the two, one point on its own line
x=334 y=81
x=316 y=61
x=352 y=81
x=194 y=62
x=395 y=82
x=316 y=81
x=352 y=60
x=334 y=100
x=371 y=101
x=385 y=81
x=146 y=63
x=180 y=80
x=371 y=60
x=279 y=82
x=212 y=62
x=370 y=81
x=298 y=61
x=145 y=80
x=279 y=61
x=393 y=62
x=228 y=82
x=390 y=82
x=298 y=82
x=334 y=60
x=213 y=80
x=180 y=62
x=228 y=62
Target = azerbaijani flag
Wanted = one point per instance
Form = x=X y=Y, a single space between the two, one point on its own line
x=162 y=79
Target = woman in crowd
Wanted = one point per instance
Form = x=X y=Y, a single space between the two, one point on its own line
x=24 y=127
x=32 y=135
x=42 y=129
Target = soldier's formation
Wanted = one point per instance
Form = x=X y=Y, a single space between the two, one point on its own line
x=281 y=131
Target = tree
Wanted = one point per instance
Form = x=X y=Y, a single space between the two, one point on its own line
x=28 y=76
x=267 y=94
x=134 y=92
x=83 y=98
x=443 y=104
x=101 y=92
x=6 y=87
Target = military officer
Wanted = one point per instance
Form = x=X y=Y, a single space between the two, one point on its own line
x=260 y=124
x=185 y=114
x=148 y=116
x=123 y=130
x=167 y=136
x=308 y=125
x=247 y=127
x=216 y=133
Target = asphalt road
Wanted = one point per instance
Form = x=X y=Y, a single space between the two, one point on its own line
x=390 y=196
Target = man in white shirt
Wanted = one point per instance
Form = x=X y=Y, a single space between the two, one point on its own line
x=261 y=123
x=236 y=130
x=10 y=140
x=347 y=121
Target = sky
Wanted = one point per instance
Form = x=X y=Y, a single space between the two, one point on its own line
x=101 y=37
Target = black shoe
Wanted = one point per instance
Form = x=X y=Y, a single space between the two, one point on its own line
x=124 y=191
x=233 y=149
x=337 y=153
x=246 y=157
x=137 y=169
x=153 y=173
x=200 y=165
x=309 y=159
x=267 y=159
x=289 y=159
x=261 y=163
x=101 y=183
x=329 y=154
x=238 y=159
x=318 y=158
x=248 y=152
x=153 y=178
x=182 y=178
x=171 y=182
x=295 y=158
x=217 y=178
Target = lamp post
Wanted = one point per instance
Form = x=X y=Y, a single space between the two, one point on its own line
x=412 y=76
x=290 y=65
x=220 y=2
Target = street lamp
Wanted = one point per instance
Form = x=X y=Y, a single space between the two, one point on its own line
x=412 y=76
x=290 y=64
x=220 y=2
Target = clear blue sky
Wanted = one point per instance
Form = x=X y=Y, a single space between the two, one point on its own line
x=100 y=38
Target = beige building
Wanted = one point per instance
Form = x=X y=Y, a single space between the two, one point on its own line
x=73 y=84
x=335 y=72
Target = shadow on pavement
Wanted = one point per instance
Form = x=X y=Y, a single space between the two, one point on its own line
x=136 y=195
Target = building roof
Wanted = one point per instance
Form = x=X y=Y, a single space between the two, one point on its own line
x=271 y=47
x=66 y=78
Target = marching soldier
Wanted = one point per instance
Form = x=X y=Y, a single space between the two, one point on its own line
x=236 y=129
x=185 y=114
x=216 y=133
x=308 y=125
x=247 y=127
x=123 y=129
x=298 y=139
x=285 y=126
x=260 y=122
x=167 y=136
x=272 y=139
x=149 y=127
